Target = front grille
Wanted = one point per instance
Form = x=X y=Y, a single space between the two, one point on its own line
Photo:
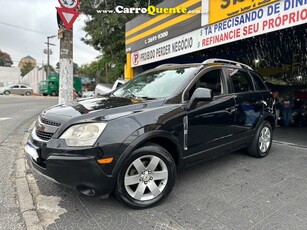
x=47 y=122
x=44 y=135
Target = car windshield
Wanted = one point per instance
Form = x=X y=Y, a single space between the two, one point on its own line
x=158 y=84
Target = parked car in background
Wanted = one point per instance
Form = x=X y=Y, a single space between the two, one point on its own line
x=88 y=94
x=300 y=115
x=16 y=89
x=103 y=88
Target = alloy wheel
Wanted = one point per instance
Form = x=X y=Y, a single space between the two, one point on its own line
x=146 y=177
x=264 y=139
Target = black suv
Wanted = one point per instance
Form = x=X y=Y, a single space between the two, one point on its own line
x=133 y=140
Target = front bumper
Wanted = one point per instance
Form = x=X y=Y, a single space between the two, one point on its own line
x=81 y=173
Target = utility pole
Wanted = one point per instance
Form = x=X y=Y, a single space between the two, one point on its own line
x=66 y=67
x=49 y=52
x=67 y=14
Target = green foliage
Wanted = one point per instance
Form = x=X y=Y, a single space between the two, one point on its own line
x=106 y=33
x=98 y=70
x=50 y=67
x=26 y=68
x=5 y=59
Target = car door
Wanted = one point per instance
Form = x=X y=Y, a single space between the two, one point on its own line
x=248 y=105
x=210 y=123
x=14 y=89
x=24 y=89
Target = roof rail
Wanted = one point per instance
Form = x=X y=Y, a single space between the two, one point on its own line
x=165 y=65
x=224 y=61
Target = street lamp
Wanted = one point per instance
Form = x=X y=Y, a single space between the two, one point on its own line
x=48 y=52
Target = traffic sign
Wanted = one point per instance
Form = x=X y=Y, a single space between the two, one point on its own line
x=68 y=16
x=70 y=4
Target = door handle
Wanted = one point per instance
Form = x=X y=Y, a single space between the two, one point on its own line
x=230 y=110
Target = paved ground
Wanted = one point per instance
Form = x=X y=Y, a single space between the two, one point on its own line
x=233 y=192
x=291 y=135
x=16 y=115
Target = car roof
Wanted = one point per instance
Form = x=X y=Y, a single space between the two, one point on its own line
x=214 y=62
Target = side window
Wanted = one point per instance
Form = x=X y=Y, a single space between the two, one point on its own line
x=241 y=80
x=23 y=86
x=15 y=86
x=210 y=80
x=259 y=84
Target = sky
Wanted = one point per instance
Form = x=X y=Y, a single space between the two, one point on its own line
x=25 y=25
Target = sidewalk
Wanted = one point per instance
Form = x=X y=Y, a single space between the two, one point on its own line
x=291 y=135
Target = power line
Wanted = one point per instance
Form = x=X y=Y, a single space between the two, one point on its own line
x=23 y=28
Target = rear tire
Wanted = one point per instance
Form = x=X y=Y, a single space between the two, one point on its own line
x=6 y=92
x=28 y=93
x=53 y=94
x=146 y=178
x=262 y=142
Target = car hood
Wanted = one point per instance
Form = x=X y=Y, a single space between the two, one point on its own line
x=105 y=107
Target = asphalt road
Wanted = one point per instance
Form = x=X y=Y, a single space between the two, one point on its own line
x=16 y=115
x=16 y=110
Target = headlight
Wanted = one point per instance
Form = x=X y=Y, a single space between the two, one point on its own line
x=83 y=135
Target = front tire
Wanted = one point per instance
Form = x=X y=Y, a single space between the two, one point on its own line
x=28 y=93
x=7 y=93
x=146 y=178
x=262 y=142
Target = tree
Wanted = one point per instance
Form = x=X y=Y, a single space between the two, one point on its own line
x=26 y=68
x=5 y=59
x=106 y=32
x=51 y=68
x=94 y=70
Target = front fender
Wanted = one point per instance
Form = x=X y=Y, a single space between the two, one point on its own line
x=137 y=139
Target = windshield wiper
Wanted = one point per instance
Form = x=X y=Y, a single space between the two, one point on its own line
x=147 y=98
x=141 y=97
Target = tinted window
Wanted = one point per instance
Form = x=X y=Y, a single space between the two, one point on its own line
x=210 y=80
x=23 y=86
x=15 y=86
x=259 y=85
x=241 y=80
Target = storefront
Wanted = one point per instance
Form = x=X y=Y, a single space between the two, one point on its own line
x=268 y=35
x=190 y=36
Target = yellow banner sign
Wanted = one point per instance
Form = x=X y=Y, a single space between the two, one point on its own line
x=222 y=9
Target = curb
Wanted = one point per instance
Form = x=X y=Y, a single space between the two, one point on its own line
x=26 y=202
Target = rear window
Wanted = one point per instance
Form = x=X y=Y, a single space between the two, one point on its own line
x=241 y=80
x=259 y=84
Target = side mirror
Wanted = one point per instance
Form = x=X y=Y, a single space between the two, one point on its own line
x=200 y=94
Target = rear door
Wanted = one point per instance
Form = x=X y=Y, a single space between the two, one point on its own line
x=248 y=105
x=24 y=89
